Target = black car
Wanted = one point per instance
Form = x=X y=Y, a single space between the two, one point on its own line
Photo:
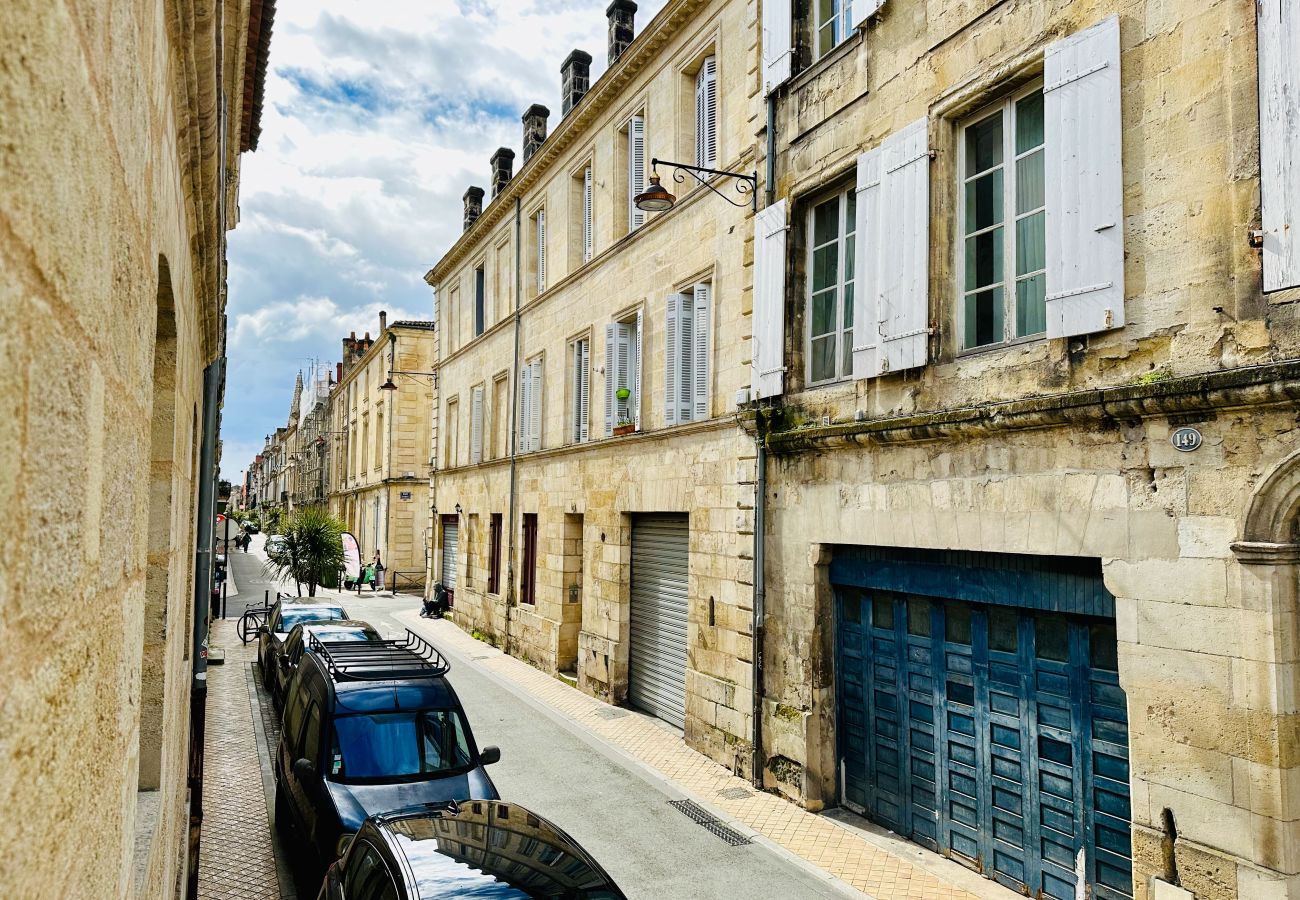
x=489 y=849
x=371 y=727
x=287 y=613
x=336 y=631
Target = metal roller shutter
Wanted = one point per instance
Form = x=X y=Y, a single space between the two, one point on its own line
x=657 y=670
x=450 y=540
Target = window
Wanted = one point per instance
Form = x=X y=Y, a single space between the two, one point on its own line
x=504 y=284
x=500 y=416
x=450 y=322
x=379 y=438
x=706 y=113
x=831 y=254
x=1003 y=265
x=310 y=746
x=579 y=389
x=365 y=442
x=530 y=406
x=623 y=374
x=833 y=24
x=539 y=247
x=480 y=313
x=636 y=174
x=476 y=424
x=494 y=554
x=686 y=356
x=528 y=585
x=386 y=746
x=588 y=238
x=367 y=878
x=453 y=433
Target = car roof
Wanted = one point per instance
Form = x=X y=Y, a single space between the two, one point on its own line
x=512 y=853
x=384 y=676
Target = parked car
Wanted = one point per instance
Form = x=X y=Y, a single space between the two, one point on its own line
x=477 y=849
x=337 y=631
x=285 y=614
x=276 y=543
x=252 y=528
x=371 y=727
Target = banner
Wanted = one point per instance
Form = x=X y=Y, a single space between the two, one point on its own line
x=351 y=557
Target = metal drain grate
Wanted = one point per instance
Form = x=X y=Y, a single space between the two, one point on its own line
x=701 y=816
x=736 y=793
x=611 y=712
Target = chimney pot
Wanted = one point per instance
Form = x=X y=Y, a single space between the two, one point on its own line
x=534 y=129
x=503 y=164
x=473 y=205
x=383 y=321
x=621 y=14
x=575 y=79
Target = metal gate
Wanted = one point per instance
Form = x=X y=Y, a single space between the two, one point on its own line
x=450 y=542
x=657 y=669
x=995 y=735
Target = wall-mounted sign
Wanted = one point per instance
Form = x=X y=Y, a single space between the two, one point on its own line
x=404 y=495
x=1186 y=439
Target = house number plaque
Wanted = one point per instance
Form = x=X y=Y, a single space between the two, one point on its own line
x=1186 y=439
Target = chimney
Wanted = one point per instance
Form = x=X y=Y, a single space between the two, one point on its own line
x=503 y=163
x=575 y=78
x=383 y=321
x=338 y=372
x=534 y=129
x=473 y=205
x=621 y=32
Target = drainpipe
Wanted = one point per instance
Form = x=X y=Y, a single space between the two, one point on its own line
x=388 y=460
x=514 y=429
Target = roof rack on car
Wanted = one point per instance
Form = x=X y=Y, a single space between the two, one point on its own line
x=390 y=660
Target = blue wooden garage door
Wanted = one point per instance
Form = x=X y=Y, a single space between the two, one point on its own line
x=995 y=735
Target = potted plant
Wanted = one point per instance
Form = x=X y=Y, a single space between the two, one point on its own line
x=622 y=394
x=624 y=426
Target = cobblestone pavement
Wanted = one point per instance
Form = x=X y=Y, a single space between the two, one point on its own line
x=881 y=865
x=236 y=857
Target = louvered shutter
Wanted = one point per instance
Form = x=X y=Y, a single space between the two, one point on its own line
x=525 y=408
x=584 y=381
x=1085 y=186
x=535 y=406
x=611 y=376
x=672 y=360
x=706 y=114
x=768 y=318
x=685 y=354
x=904 y=271
x=864 y=9
x=1278 y=28
x=778 y=43
x=701 y=352
x=541 y=250
x=587 y=243
x=636 y=374
x=622 y=356
x=869 y=240
x=476 y=425
x=635 y=169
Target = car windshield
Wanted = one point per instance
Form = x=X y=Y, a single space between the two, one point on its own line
x=345 y=634
x=292 y=617
x=398 y=745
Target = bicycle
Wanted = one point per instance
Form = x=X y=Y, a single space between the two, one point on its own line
x=252 y=619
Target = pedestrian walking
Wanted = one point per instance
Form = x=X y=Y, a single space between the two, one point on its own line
x=379 y=574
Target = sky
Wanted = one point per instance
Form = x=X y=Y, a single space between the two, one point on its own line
x=377 y=115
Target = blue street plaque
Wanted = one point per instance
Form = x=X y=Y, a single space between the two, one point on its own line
x=406 y=495
x=1186 y=439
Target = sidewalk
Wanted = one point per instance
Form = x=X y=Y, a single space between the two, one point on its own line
x=875 y=862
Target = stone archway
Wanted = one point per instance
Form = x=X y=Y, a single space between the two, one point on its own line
x=1270 y=531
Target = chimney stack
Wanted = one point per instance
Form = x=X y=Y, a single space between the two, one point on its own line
x=473 y=205
x=383 y=321
x=503 y=164
x=621 y=31
x=534 y=129
x=338 y=372
x=575 y=79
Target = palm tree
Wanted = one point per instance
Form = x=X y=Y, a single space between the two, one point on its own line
x=312 y=548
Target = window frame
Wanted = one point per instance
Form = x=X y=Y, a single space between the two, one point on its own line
x=1006 y=107
x=480 y=298
x=579 y=389
x=494 y=553
x=528 y=569
x=847 y=245
x=841 y=18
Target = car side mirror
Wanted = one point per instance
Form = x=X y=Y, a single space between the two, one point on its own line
x=489 y=755
x=304 y=769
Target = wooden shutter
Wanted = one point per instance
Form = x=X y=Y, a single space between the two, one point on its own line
x=672 y=360
x=778 y=43
x=611 y=376
x=864 y=9
x=869 y=232
x=476 y=425
x=587 y=243
x=541 y=250
x=1277 y=26
x=701 y=352
x=636 y=374
x=706 y=113
x=584 y=381
x=535 y=408
x=635 y=169
x=768 y=317
x=904 y=271
x=1084 y=182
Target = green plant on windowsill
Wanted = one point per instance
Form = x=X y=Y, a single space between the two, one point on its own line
x=624 y=426
x=623 y=393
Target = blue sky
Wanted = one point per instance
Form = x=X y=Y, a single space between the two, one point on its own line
x=378 y=115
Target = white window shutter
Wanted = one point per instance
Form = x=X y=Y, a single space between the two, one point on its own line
x=706 y=113
x=535 y=411
x=701 y=352
x=635 y=169
x=1278 y=29
x=636 y=374
x=672 y=357
x=768 y=317
x=623 y=369
x=525 y=407
x=611 y=376
x=1084 y=180
x=685 y=355
x=778 y=43
x=476 y=425
x=869 y=239
x=584 y=381
x=864 y=9
x=904 y=271
x=541 y=250
x=587 y=242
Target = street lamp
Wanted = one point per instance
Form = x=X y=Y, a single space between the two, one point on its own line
x=656 y=197
x=388 y=385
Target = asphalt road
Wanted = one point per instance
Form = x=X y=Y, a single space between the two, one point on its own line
x=618 y=811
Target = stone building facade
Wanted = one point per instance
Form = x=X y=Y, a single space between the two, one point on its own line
x=1032 y=451
x=378 y=444
x=593 y=488
x=122 y=143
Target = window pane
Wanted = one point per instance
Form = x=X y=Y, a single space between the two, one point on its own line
x=850 y=211
x=984 y=144
x=823 y=313
x=1102 y=646
x=1029 y=182
x=984 y=259
x=1002 y=630
x=1031 y=244
x=957 y=623
x=1031 y=305
x=984 y=201
x=882 y=612
x=826 y=222
x=823 y=358
x=825 y=267
x=984 y=318
x=1052 y=639
x=1029 y=122
x=918 y=617
x=851 y=606
x=846 y=352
